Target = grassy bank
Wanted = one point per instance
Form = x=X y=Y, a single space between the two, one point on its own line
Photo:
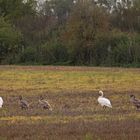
x=73 y=93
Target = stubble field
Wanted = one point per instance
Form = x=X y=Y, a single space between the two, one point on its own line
x=73 y=93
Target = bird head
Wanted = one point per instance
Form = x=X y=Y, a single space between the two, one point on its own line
x=20 y=97
x=101 y=93
x=41 y=97
x=132 y=96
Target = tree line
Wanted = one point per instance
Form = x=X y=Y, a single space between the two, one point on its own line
x=70 y=32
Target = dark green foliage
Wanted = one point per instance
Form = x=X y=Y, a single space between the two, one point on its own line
x=14 y=9
x=10 y=42
x=29 y=55
x=54 y=53
x=45 y=54
x=63 y=32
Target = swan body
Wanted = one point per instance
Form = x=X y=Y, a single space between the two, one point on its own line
x=23 y=103
x=45 y=104
x=1 y=102
x=136 y=102
x=104 y=102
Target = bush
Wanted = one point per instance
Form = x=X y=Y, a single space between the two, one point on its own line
x=51 y=53
x=116 y=49
x=29 y=55
x=10 y=42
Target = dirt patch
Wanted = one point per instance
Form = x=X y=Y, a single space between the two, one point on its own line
x=67 y=68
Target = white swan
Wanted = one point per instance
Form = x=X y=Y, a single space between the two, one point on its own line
x=1 y=102
x=104 y=102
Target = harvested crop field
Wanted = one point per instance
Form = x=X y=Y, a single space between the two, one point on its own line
x=73 y=93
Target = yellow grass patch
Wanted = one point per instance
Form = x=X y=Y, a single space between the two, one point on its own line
x=119 y=80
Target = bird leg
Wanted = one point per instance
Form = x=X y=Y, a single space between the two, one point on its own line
x=104 y=107
x=138 y=108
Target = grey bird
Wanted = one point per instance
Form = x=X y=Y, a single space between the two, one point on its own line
x=135 y=101
x=45 y=104
x=23 y=103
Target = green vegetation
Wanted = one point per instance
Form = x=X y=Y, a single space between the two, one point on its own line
x=67 y=32
x=105 y=79
x=73 y=93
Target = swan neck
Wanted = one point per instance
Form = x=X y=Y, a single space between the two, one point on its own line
x=102 y=94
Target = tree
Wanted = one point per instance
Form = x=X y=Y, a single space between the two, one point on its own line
x=85 y=22
x=10 y=40
x=127 y=18
x=14 y=9
x=61 y=9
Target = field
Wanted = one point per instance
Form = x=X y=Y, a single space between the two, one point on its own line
x=73 y=93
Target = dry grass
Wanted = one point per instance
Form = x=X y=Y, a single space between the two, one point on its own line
x=73 y=93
